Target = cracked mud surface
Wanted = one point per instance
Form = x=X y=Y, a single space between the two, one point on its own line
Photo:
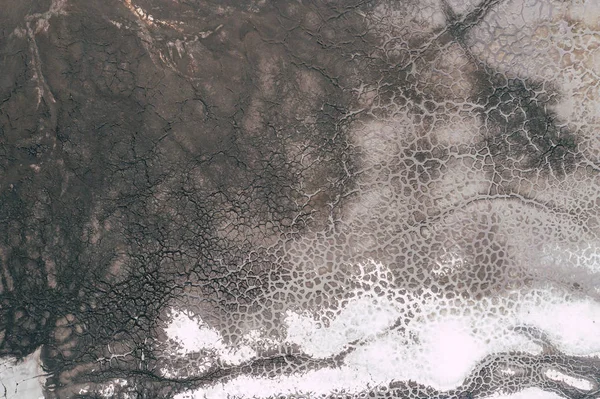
x=300 y=199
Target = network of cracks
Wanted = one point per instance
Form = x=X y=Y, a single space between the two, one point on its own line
x=300 y=199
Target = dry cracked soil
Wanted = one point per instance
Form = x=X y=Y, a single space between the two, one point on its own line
x=300 y=199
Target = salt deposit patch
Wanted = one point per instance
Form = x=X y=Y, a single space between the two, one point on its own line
x=529 y=393
x=23 y=379
x=445 y=350
x=193 y=335
x=579 y=383
x=574 y=327
x=361 y=318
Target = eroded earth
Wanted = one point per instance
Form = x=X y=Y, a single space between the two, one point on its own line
x=300 y=199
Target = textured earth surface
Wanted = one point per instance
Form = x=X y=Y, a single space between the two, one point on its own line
x=300 y=199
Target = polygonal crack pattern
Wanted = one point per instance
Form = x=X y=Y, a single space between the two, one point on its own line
x=300 y=199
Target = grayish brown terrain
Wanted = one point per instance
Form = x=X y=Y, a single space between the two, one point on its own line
x=308 y=182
